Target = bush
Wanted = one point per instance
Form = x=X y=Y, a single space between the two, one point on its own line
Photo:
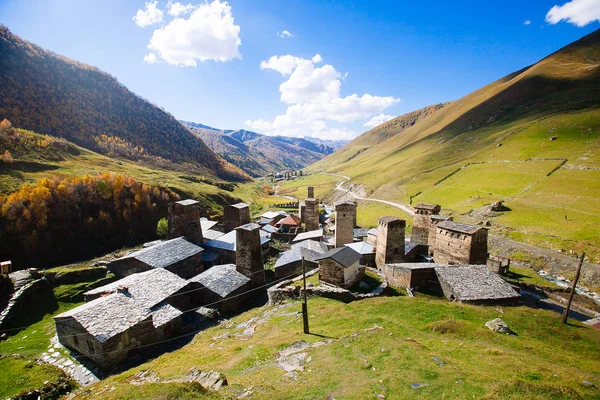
x=162 y=228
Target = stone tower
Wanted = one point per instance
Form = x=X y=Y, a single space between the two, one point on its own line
x=311 y=214
x=311 y=192
x=345 y=215
x=390 y=241
x=422 y=223
x=248 y=254
x=236 y=215
x=184 y=220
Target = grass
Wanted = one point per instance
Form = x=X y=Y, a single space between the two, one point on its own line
x=544 y=360
x=528 y=276
x=298 y=188
x=22 y=374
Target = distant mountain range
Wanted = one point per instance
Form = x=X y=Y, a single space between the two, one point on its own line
x=258 y=154
x=47 y=93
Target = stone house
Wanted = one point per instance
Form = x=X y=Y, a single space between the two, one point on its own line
x=222 y=250
x=345 y=220
x=340 y=267
x=372 y=236
x=289 y=262
x=417 y=276
x=422 y=222
x=460 y=244
x=435 y=219
x=475 y=284
x=223 y=287
x=390 y=240
x=289 y=224
x=123 y=316
x=184 y=220
x=176 y=255
x=316 y=235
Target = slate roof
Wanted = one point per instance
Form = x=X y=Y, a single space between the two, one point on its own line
x=212 y=234
x=439 y=217
x=187 y=202
x=249 y=227
x=206 y=224
x=456 y=227
x=388 y=218
x=239 y=205
x=221 y=279
x=373 y=231
x=310 y=249
x=146 y=288
x=427 y=206
x=166 y=253
x=290 y=220
x=344 y=256
x=273 y=214
x=316 y=234
x=359 y=232
x=265 y=221
x=346 y=202
x=362 y=247
x=421 y=265
x=269 y=228
x=408 y=246
x=474 y=282
x=227 y=242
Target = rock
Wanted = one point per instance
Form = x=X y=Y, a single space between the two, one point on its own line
x=499 y=145
x=553 y=138
x=293 y=362
x=417 y=385
x=497 y=325
x=365 y=364
x=211 y=380
x=438 y=361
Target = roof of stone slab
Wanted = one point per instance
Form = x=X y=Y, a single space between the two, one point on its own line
x=310 y=249
x=227 y=242
x=239 y=205
x=166 y=253
x=221 y=279
x=474 y=282
x=439 y=217
x=344 y=202
x=206 y=224
x=360 y=232
x=146 y=288
x=187 y=202
x=427 y=206
x=344 y=256
x=389 y=218
x=363 y=248
x=249 y=227
x=456 y=227
x=316 y=234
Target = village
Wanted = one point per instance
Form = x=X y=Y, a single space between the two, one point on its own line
x=169 y=288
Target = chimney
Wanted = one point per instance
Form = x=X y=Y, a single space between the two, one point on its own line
x=248 y=253
x=184 y=220
x=390 y=241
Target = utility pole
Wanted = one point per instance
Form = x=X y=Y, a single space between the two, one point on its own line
x=304 y=303
x=566 y=313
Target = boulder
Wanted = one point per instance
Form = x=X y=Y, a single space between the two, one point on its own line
x=497 y=325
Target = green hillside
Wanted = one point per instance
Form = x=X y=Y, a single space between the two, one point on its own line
x=531 y=139
x=47 y=93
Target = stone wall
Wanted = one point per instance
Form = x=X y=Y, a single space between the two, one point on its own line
x=422 y=223
x=390 y=241
x=400 y=276
x=311 y=214
x=236 y=215
x=344 y=223
x=248 y=254
x=184 y=220
x=460 y=248
x=28 y=305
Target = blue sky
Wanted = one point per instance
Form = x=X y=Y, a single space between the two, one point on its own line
x=345 y=67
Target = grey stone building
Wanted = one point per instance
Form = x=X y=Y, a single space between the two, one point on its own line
x=235 y=215
x=125 y=317
x=417 y=276
x=223 y=287
x=310 y=214
x=340 y=267
x=345 y=219
x=390 y=241
x=248 y=254
x=475 y=284
x=222 y=250
x=176 y=255
x=435 y=220
x=366 y=251
x=460 y=244
x=184 y=220
x=289 y=262
x=422 y=222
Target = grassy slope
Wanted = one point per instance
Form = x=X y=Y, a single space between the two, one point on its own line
x=32 y=164
x=559 y=96
x=545 y=360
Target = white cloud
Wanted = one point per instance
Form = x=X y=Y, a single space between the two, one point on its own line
x=285 y=34
x=176 y=9
x=527 y=22
x=150 y=15
x=577 y=12
x=313 y=97
x=150 y=58
x=378 y=120
x=209 y=33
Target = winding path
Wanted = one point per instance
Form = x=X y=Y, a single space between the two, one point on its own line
x=340 y=187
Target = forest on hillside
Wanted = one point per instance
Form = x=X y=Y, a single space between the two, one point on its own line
x=50 y=94
x=60 y=221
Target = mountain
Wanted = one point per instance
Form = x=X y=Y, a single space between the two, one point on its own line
x=258 y=154
x=50 y=94
x=334 y=144
x=531 y=138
